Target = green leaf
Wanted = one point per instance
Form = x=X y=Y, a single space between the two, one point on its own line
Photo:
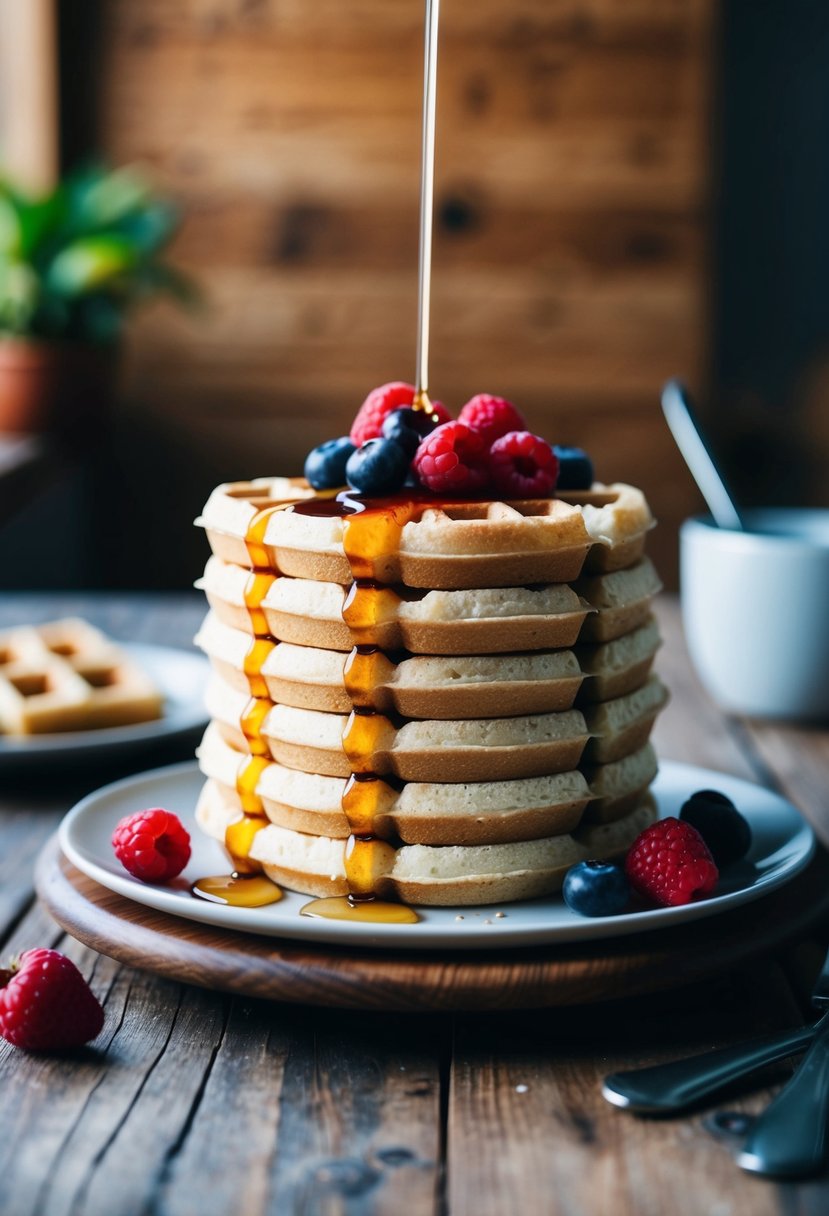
x=91 y=263
x=100 y=199
x=19 y=295
x=10 y=225
x=150 y=228
x=156 y=278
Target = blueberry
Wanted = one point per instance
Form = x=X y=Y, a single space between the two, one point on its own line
x=325 y=466
x=575 y=469
x=407 y=427
x=720 y=825
x=378 y=467
x=596 y=888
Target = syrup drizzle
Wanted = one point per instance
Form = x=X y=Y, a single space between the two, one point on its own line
x=239 y=889
x=369 y=531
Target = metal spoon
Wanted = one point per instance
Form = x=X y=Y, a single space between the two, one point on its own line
x=680 y=416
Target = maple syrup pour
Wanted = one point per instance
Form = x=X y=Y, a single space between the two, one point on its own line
x=238 y=890
x=253 y=717
x=373 y=911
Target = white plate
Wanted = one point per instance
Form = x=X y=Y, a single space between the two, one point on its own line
x=782 y=846
x=181 y=677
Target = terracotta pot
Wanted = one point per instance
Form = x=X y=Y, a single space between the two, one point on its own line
x=58 y=387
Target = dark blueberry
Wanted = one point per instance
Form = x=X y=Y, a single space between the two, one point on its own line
x=407 y=427
x=720 y=825
x=378 y=467
x=596 y=888
x=575 y=469
x=325 y=466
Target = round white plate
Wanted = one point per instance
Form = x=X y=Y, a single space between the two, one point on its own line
x=181 y=677
x=782 y=846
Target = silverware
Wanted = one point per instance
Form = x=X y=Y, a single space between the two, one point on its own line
x=686 y=430
x=791 y=1138
x=664 y=1088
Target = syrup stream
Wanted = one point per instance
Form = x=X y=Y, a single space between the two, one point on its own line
x=427 y=194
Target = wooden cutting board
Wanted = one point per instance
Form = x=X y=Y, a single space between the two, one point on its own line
x=348 y=978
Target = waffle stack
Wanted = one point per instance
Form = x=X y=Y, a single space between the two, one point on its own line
x=443 y=703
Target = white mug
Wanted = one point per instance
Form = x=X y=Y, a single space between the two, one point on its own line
x=755 y=606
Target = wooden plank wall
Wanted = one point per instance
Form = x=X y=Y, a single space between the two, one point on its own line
x=570 y=250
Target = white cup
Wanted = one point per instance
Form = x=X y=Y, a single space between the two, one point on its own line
x=755 y=606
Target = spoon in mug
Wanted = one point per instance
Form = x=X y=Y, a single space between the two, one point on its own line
x=680 y=416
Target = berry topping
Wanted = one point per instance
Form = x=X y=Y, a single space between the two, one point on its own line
x=575 y=468
x=670 y=863
x=491 y=416
x=153 y=845
x=379 y=403
x=452 y=460
x=325 y=465
x=523 y=465
x=720 y=825
x=46 y=1004
x=378 y=467
x=596 y=888
x=408 y=428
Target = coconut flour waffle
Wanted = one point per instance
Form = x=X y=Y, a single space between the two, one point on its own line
x=416 y=813
x=466 y=875
x=67 y=676
x=453 y=631
x=450 y=545
x=415 y=686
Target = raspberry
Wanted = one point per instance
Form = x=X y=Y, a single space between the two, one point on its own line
x=153 y=845
x=379 y=403
x=670 y=863
x=491 y=416
x=523 y=465
x=452 y=460
x=46 y=1004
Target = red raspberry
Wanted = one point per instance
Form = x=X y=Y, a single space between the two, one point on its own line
x=379 y=404
x=153 y=845
x=452 y=460
x=523 y=465
x=46 y=1004
x=670 y=863
x=491 y=416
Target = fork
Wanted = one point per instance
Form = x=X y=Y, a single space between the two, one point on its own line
x=664 y=1088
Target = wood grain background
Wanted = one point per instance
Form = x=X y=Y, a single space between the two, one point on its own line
x=571 y=234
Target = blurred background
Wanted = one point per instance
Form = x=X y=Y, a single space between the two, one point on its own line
x=626 y=190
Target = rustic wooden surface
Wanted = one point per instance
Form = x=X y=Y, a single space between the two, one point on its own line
x=193 y=1101
x=571 y=234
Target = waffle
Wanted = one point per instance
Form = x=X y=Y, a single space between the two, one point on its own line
x=623 y=725
x=449 y=546
x=489 y=620
x=470 y=749
x=619 y=786
x=465 y=686
x=419 y=813
x=457 y=686
x=464 y=875
x=322 y=614
x=67 y=676
x=617 y=667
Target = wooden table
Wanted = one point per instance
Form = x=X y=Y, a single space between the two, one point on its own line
x=193 y=1102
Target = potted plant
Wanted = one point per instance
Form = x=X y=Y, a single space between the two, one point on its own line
x=72 y=266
